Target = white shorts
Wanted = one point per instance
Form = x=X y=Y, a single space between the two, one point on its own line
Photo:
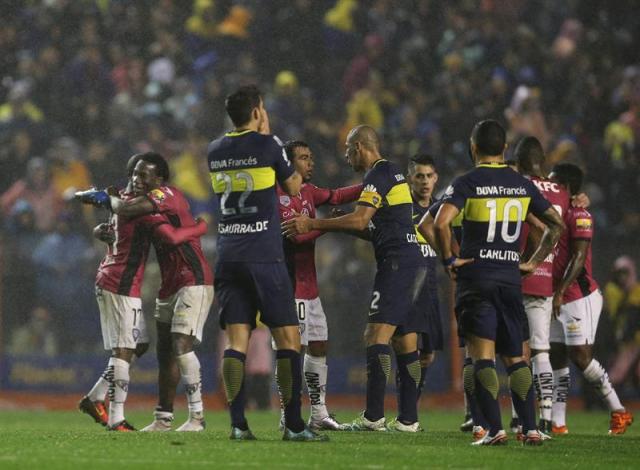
x=313 y=321
x=539 y=312
x=121 y=320
x=578 y=321
x=187 y=310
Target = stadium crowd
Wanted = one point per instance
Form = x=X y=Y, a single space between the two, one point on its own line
x=85 y=84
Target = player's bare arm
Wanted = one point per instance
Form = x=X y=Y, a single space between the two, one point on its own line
x=579 y=249
x=554 y=226
x=356 y=220
x=442 y=232
x=292 y=184
x=426 y=228
x=135 y=207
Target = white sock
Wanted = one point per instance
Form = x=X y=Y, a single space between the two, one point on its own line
x=189 y=366
x=599 y=379
x=561 y=383
x=514 y=413
x=315 y=375
x=543 y=383
x=101 y=387
x=118 y=390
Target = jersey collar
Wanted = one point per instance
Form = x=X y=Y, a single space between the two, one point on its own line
x=492 y=165
x=237 y=134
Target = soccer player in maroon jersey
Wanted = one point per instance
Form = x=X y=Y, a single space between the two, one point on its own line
x=118 y=293
x=577 y=304
x=300 y=256
x=186 y=293
x=537 y=288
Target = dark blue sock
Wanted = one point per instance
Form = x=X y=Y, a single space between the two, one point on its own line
x=469 y=383
x=522 y=394
x=289 y=378
x=233 y=377
x=486 y=393
x=378 y=370
x=409 y=374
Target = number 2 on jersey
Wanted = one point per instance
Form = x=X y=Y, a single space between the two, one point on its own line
x=228 y=188
x=492 y=205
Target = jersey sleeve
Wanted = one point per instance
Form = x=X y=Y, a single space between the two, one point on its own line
x=377 y=183
x=279 y=160
x=539 y=204
x=335 y=197
x=580 y=225
x=457 y=193
x=161 y=199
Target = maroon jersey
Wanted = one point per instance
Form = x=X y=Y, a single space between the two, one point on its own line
x=540 y=282
x=579 y=227
x=182 y=265
x=300 y=251
x=122 y=269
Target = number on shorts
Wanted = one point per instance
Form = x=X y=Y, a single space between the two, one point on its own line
x=302 y=311
x=492 y=205
x=228 y=186
x=374 y=300
x=136 y=313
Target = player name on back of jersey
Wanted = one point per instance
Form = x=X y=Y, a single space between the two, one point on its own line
x=233 y=163
x=499 y=255
x=500 y=191
x=231 y=229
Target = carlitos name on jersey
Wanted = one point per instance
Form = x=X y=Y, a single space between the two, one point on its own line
x=500 y=255
x=234 y=229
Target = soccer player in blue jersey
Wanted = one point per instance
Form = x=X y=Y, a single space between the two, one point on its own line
x=385 y=208
x=250 y=272
x=496 y=201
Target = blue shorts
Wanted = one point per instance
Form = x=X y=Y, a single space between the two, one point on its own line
x=495 y=312
x=425 y=316
x=393 y=295
x=243 y=289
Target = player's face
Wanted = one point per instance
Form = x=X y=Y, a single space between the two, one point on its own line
x=353 y=155
x=303 y=162
x=423 y=180
x=145 y=178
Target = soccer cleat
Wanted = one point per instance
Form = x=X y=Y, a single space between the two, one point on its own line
x=499 y=439
x=193 y=424
x=122 y=426
x=544 y=426
x=363 y=424
x=559 y=430
x=159 y=425
x=620 y=421
x=96 y=409
x=532 y=438
x=306 y=435
x=398 y=426
x=98 y=198
x=514 y=425
x=467 y=425
x=478 y=433
x=328 y=423
x=238 y=434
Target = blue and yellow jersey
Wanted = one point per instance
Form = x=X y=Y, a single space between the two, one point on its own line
x=495 y=200
x=456 y=223
x=244 y=168
x=391 y=228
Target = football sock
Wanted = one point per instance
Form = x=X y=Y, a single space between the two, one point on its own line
x=409 y=379
x=543 y=383
x=514 y=413
x=561 y=383
x=233 y=377
x=289 y=378
x=522 y=395
x=189 y=366
x=101 y=387
x=469 y=382
x=599 y=380
x=486 y=392
x=315 y=374
x=118 y=389
x=378 y=370
x=423 y=380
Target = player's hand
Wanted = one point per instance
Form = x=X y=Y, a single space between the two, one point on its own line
x=105 y=233
x=98 y=198
x=557 y=303
x=337 y=212
x=296 y=226
x=581 y=200
x=452 y=269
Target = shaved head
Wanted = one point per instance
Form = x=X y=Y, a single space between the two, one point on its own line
x=366 y=135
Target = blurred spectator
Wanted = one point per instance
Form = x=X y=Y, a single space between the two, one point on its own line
x=36 y=336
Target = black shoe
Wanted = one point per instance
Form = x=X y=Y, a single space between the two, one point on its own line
x=467 y=426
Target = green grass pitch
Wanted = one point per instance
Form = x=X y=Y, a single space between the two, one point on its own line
x=51 y=440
